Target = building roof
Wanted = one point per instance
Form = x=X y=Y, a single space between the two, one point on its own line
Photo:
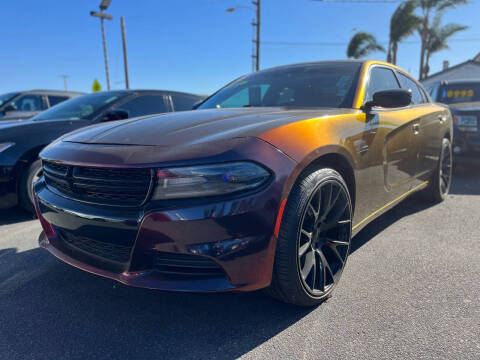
x=474 y=61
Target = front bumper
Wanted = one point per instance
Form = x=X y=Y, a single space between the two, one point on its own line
x=466 y=143
x=224 y=245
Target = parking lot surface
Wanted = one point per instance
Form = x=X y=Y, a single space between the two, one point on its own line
x=410 y=290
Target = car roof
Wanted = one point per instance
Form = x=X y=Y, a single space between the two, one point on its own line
x=363 y=62
x=159 y=92
x=53 y=92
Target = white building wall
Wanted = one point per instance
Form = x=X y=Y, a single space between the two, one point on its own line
x=469 y=71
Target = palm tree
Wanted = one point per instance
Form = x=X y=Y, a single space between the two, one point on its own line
x=437 y=39
x=402 y=24
x=429 y=9
x=363 y=44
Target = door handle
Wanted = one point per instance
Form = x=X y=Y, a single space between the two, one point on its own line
x=416 y=128
x=442 y=118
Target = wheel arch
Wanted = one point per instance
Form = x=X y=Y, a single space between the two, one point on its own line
x=333 y=156
x=24 y=160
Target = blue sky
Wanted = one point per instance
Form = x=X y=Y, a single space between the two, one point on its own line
x=192 y=45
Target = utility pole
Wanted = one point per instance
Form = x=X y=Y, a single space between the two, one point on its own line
x=257 y=40
x=103 y=6
x=256 y=24
x=125 y=59
x=64 y=81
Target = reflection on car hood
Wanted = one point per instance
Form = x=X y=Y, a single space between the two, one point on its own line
x=5 y=124
x=195 y=127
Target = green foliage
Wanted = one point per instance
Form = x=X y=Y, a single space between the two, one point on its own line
x=96 y=86
x=402 y=24
x=363 y=44
x=433 y=9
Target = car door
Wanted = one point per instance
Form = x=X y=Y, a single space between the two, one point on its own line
x=26 y=106
x=393 y=130
x=428 y=123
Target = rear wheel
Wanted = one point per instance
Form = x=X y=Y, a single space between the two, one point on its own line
x=29 y=177
x=439 y=184
x=314 y=239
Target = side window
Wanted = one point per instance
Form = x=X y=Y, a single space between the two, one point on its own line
x=144 y=105
x=410 y=85
x=380 y=79
x=433 y=91
x=182 y=103
x=54 y=100
x=249 y=96
x=29 y=103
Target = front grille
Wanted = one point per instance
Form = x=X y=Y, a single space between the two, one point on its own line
x=110 y=186
x=109 y=251
x=186 y=264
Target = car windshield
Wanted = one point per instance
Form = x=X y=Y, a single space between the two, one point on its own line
x=81 y=107
x=319 y=85
x=4 y=98
x=459 y=93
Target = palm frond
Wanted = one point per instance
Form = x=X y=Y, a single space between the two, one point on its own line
x=363 y=44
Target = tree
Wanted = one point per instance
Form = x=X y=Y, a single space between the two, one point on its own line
x=402 y=24
x=363 y=44
x=429 y=9
x=437 y=39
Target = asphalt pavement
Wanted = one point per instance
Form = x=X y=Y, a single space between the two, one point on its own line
x=410 y=290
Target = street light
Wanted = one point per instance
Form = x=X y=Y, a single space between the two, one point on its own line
x=256 y=24
x=100 y=14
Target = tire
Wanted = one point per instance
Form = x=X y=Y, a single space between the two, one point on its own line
x=439 y=184
x=25 y=189
x=316 y=228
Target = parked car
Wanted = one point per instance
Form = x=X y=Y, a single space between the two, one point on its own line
x=21 y=141
x=463 y=98
x=261 y=187
x=22 y=105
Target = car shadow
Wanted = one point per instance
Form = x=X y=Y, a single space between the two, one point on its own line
x=466 y=179
x=14 y=215
x=51 y=310
x=409 y=206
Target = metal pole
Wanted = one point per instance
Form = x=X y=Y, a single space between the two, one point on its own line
x=65 y=81
x=107 y=73
x=257 y=65
x=125 y=59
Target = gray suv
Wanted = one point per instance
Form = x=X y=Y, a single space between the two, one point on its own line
x=22 y=105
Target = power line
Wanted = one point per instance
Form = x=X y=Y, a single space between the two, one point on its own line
x=306 y=43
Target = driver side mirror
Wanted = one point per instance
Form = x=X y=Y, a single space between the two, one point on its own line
x=113 y=115
x=394 y=98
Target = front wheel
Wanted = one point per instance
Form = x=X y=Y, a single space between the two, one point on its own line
x=31 y=174
x=314 y=239
x=439 y=184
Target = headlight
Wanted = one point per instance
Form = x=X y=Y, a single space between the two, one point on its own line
x=5 y=146
x=466 y=122
x=208 y=180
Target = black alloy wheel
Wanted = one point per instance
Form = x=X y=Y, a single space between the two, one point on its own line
x=314 y=239
x=324 y=238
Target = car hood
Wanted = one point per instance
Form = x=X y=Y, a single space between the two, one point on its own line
x=194 y=127
x=468 y=106
x=4 y=124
